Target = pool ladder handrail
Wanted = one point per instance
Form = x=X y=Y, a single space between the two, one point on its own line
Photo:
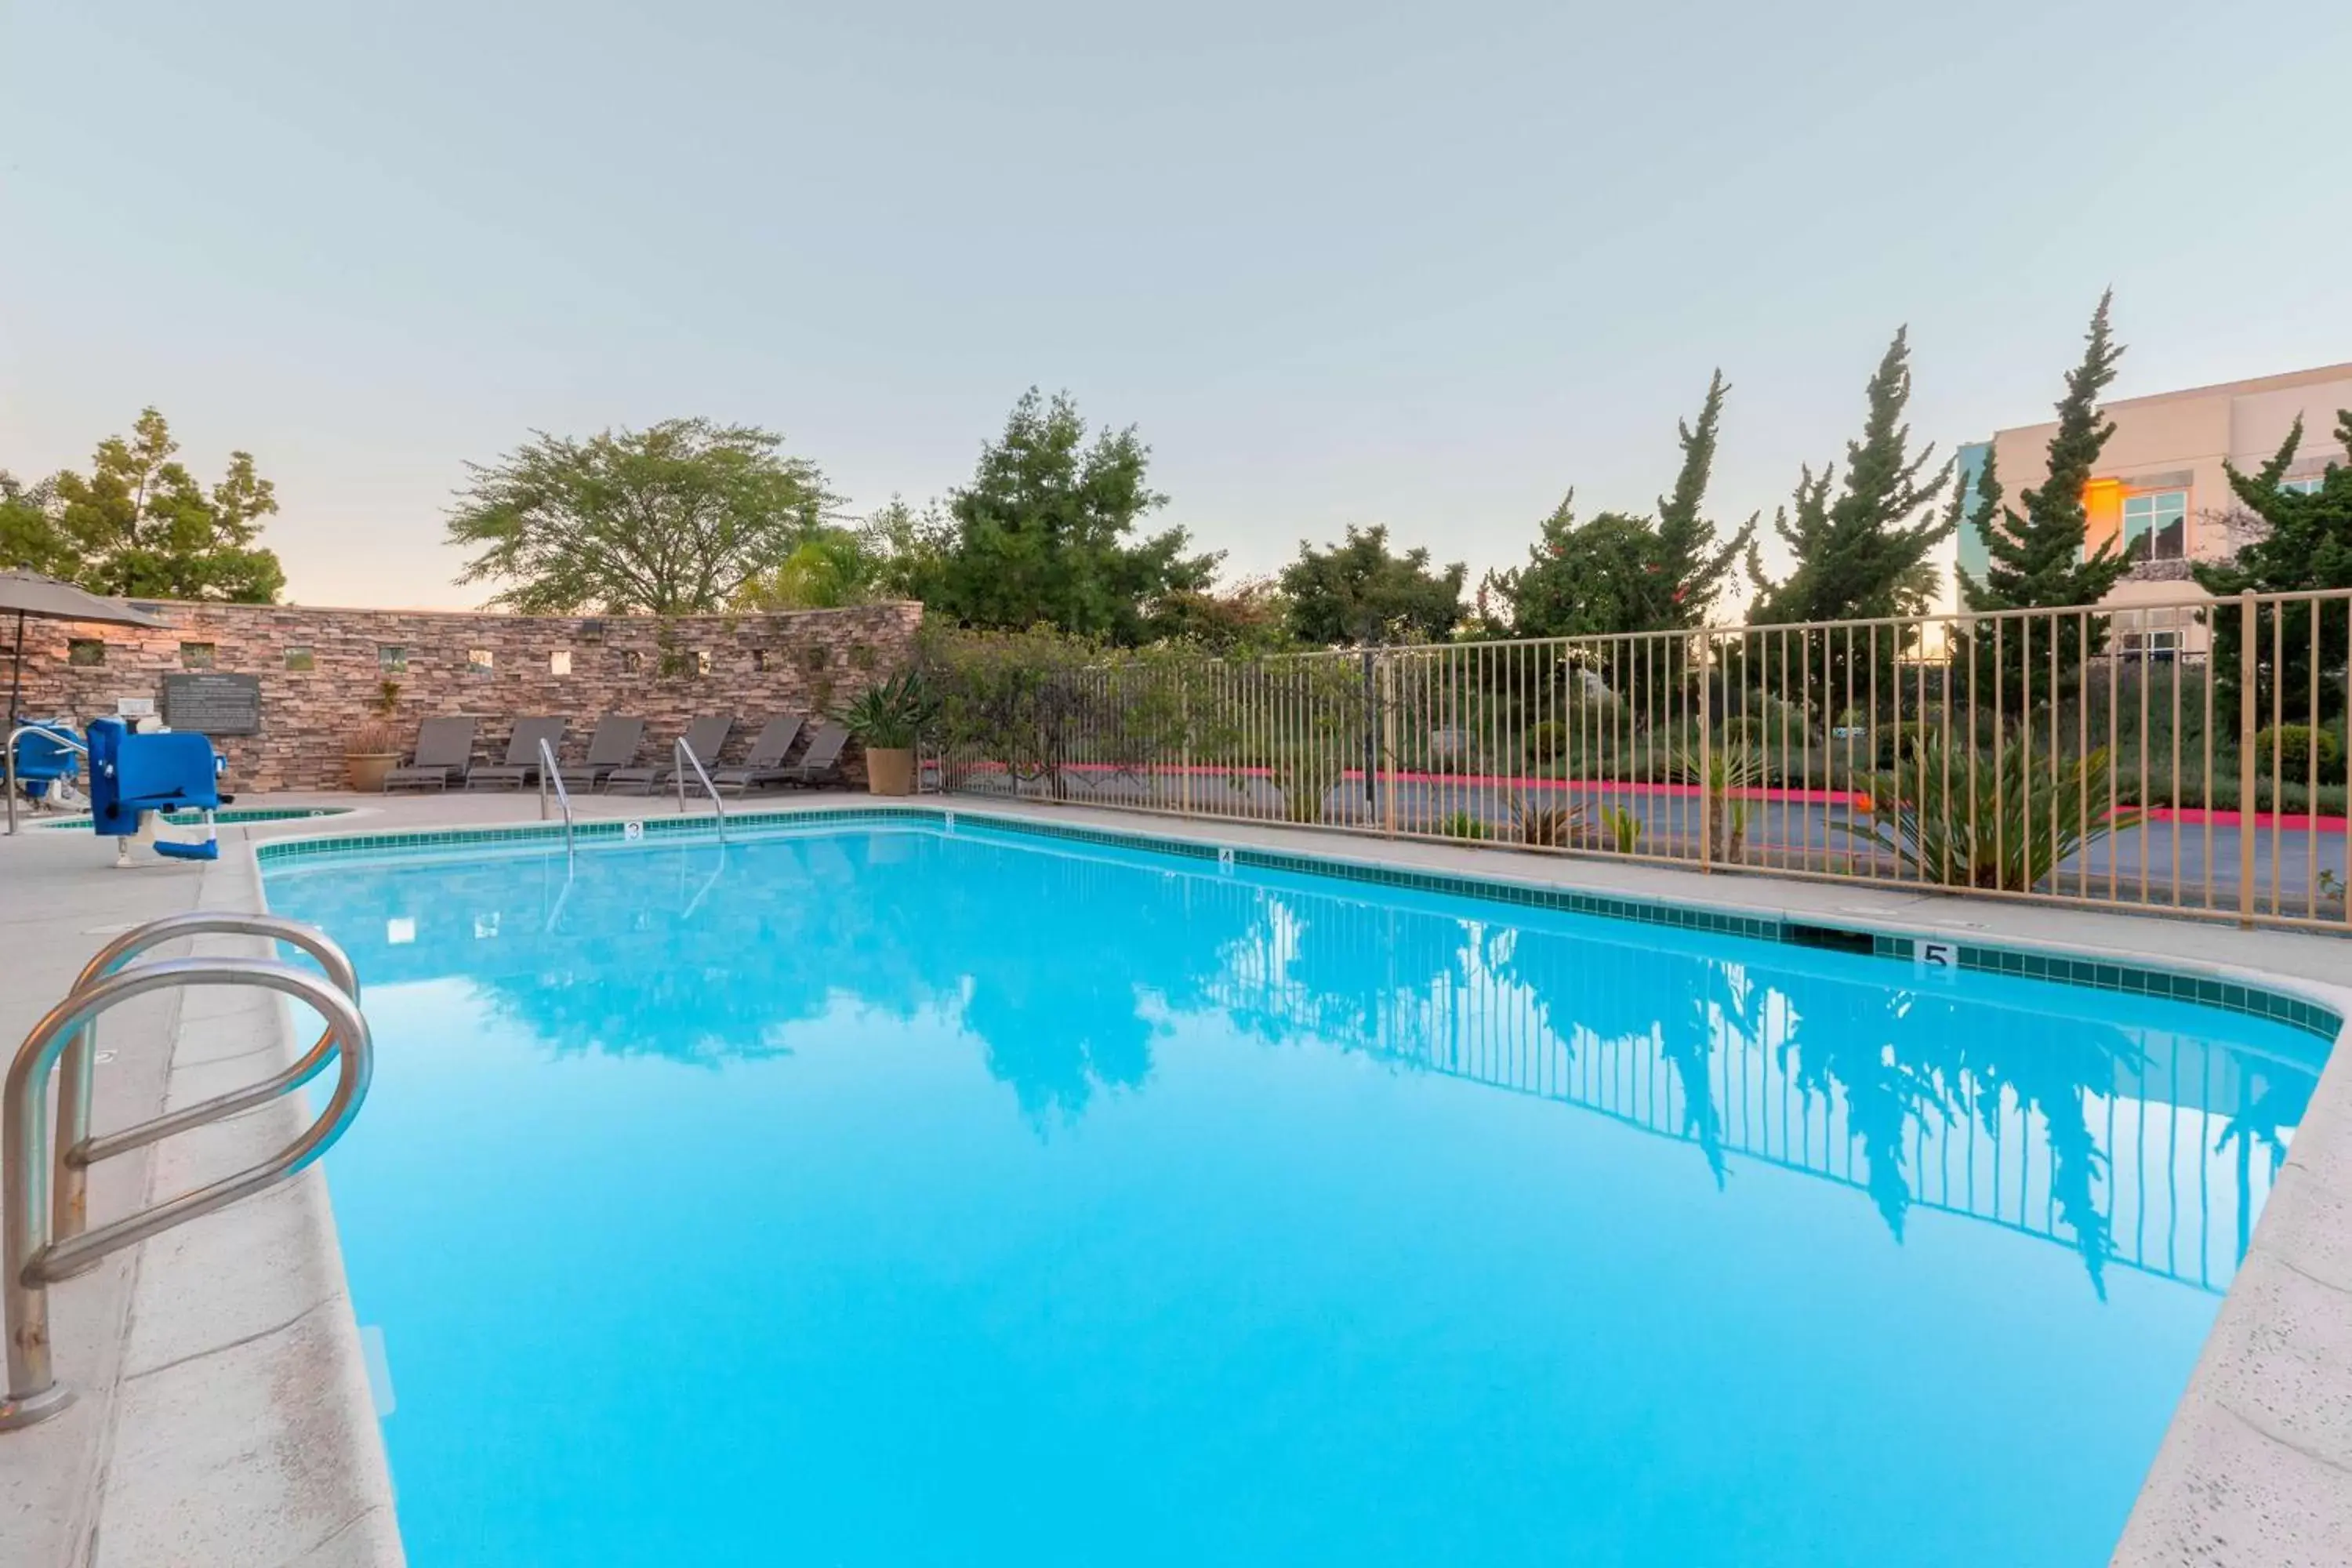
x=548 y=774
x=44 y=1234
x=9 y=763
x=686 y=759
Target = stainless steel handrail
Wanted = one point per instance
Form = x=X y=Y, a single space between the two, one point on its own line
x=548 y=774
x=76 y=1151
x=689 y=760
x=10 y=764
x=32 y=1259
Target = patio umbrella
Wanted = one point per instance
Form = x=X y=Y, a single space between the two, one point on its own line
x=28 y=593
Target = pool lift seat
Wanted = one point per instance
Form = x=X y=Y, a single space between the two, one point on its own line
x=131 y=775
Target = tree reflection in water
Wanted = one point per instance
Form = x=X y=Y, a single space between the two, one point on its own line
x=1068 y=963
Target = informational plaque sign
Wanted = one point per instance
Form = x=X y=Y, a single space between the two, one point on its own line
x=213 y=704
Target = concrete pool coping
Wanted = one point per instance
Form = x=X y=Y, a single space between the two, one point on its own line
x=250 y=1318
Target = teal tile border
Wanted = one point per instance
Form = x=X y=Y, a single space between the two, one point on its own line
x=2311 y=1017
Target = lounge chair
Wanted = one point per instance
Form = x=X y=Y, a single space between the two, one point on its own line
x=705 y=737
x=521 y=766
x=768 y=754
x=444 y=748
x=819 y=763
x=614 y=745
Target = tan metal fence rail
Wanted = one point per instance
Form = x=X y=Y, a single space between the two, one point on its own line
x=2073 y=757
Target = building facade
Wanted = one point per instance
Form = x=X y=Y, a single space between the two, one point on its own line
x=2160 y=491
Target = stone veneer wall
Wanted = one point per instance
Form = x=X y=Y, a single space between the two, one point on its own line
x=758 y=666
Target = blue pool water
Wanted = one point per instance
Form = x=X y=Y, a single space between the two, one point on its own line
x=881 y=1196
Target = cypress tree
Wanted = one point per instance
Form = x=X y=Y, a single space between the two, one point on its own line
x=1855 y=555
x=1864 y=554
x=2037 y=561
x=2307 y=544
x=1688 y=557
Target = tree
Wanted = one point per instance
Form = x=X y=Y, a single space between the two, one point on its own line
x=1588 y=579
x=2308 y=545
x=1689 y=559
x=1044 y=533
x=1251 y=617
x=139 y=526
x=831 y=568
x=672 y=519
x=1624 y=573
x=1855 y=556
x=2037 y=561
x=1359 y=591
x=29 y=537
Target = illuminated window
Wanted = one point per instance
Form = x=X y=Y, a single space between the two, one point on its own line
x=560 y=662
x=2155 y=526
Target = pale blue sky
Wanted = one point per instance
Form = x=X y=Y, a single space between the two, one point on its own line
x=1425 y=265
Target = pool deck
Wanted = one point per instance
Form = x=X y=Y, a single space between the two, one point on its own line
x=225 y=1415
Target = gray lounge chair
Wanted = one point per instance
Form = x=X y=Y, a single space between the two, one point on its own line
x=614 y=745
x=706 y=738
x=521 y=766
x=767 y=756
x=444 y=747
x=820 y=762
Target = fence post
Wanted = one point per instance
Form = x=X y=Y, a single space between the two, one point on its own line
x=1706 y=756
x=1388 y=745
x=2249 y=712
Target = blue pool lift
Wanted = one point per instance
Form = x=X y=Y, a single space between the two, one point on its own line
x=130 y=774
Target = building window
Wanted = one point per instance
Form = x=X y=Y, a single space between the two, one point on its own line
x=2155 y=526
x=392 y=659
x=2307 y=486
x=560 y=662
x=85 y=653
x=299 y=659
x=477 y=661
x=197 y=655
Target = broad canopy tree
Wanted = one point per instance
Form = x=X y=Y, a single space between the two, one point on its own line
x=139 y=525
x=1360 y=590
x=1046 y=533
x=672 y=519
x=1620 y=573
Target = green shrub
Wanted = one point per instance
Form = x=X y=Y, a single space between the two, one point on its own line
x=1900 y=743
x=2294 y=747
x=1546 y=742
x=1463 y=825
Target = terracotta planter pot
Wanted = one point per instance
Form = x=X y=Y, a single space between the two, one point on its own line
x=890 y=772
x=368 y=768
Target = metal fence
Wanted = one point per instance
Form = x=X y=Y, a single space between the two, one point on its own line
x=2040 y=755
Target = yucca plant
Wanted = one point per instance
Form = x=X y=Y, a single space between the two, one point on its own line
x=1731 y=765
x=1543 y=825
x=2004 y=817
x=1625 y=829
x=890 y=715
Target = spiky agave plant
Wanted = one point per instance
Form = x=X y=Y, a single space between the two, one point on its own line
x=2004 y=817
x=1731 y=767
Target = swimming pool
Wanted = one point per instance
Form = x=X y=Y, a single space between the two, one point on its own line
x=881 y=1195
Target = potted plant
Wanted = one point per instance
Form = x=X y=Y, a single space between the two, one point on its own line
x=887 y=719
x=374 y=749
